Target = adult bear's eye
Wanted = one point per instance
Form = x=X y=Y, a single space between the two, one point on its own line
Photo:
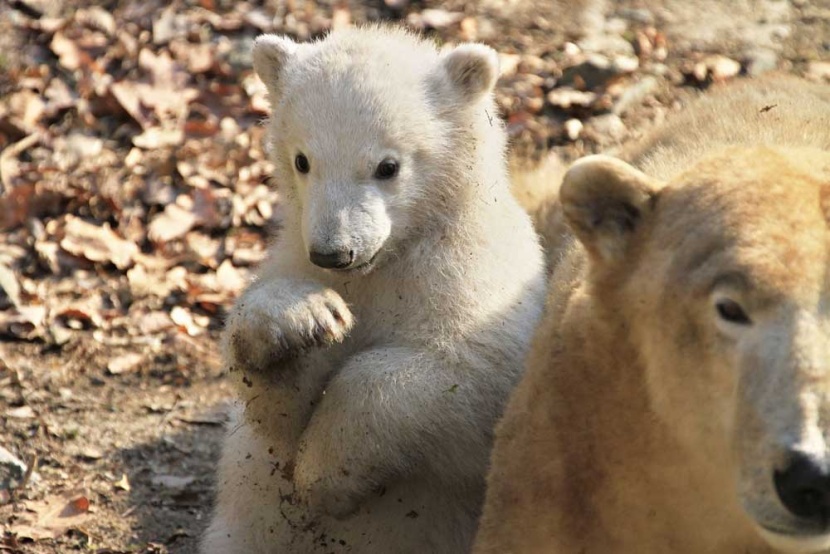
x=731 y=311
x=386 y=169
x=301 y=163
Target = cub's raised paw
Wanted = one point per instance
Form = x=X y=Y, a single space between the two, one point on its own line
x=264 y=328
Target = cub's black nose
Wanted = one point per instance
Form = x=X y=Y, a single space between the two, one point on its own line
x=340 y=259
x=804 y=486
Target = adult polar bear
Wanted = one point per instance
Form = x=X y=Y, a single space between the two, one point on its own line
x=378 y=346
x=677 y=394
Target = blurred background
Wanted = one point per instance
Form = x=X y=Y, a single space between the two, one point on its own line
x=134 y=201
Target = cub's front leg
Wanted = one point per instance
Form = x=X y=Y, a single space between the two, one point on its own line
x=271 y=344
x=389 y=413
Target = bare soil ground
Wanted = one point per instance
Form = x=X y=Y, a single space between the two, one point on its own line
x=134 y=200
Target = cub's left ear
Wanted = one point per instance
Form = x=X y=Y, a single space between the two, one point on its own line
x=605 y=201
x=472 y=70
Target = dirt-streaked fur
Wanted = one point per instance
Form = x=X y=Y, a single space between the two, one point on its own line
x=368 y=397
x=646 y=422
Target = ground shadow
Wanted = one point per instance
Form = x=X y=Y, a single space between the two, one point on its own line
x=172 y=481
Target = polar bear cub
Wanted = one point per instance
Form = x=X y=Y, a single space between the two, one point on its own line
x=387 y=326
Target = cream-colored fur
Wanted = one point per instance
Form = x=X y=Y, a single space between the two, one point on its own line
x=368 y=394
x=682 y=370
x=537 y=190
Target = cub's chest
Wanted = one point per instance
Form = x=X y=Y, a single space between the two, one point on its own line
x=390 y=313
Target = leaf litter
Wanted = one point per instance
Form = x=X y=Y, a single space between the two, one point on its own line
x=135 y=200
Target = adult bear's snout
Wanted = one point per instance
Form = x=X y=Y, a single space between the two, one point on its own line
x=803 y=486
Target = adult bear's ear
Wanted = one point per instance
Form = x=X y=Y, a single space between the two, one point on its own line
x=471 y=70
x=270 y=54
x=605 y=201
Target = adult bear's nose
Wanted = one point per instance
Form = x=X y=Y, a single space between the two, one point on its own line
x=337 y=259
x=804 y=486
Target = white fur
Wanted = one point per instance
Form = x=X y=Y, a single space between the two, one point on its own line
x=367 y=397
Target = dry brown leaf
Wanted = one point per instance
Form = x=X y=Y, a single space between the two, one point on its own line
x=59 y=97
x=565 y=98
x=28 y=202
x=76 y=148
x=89 y=453
x=26 y=322
x=211 y=302
x=245 y=249
x=166 y=75
x=12 y=254
x=253 y=207
x=67 y=51
x=818 y=70
x=156 y=137
x=140 y=281
x=172 y=481
x=198 y=58
x=164 y=71
x=204 y=208
x=125 y=363
x=156 y=280
x=168 y=96
x=206 y=248
x=128 y=95
x=184 y=319
x=79 y=316
x=97 y=18
x=257 y=93
x=169 y=25
x=123 y=483
x=9 y=284
x=341 y=18
x=721 y=68
x=206 y=127
x=434 y=18
x=28 y=107
x=167 y=102
x=469 y=29
x=229 y=278
x=52 y=517
x=23 y=412
x=10 y=165
x=57 y=260
x=154 y=322
x=97 y=244
x=259 y=19
x=177 y=278
x=173 y=223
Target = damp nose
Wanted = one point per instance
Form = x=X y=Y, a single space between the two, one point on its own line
x=803 y=486
x=337 y=259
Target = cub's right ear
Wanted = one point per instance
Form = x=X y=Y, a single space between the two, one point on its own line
x=605 y=201
x=471 y=70
x=271 y=52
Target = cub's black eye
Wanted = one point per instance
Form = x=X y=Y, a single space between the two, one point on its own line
x=386 y=169
x=731 y=311
x=301 y=163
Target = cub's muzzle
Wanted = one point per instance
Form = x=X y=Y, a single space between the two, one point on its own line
x=338 y=259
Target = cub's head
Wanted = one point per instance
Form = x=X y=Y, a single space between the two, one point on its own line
x=723 y=279
x=370 y=129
